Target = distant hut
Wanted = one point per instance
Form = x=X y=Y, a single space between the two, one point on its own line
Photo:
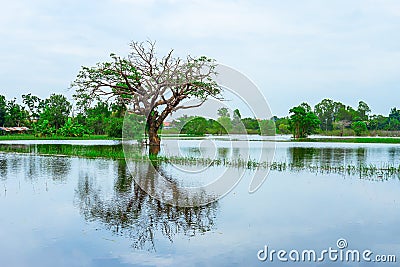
x=13 y=130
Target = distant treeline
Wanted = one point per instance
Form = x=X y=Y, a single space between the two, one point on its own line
x=55 y=115
x=335 y=118
x=224 y=124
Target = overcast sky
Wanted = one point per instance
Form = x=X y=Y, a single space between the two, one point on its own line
x=347 y=50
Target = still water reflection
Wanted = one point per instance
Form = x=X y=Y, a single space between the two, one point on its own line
x=63 y=211
x=129 y=211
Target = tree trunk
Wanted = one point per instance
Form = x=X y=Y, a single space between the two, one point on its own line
x=154 y=142
x=154 y=139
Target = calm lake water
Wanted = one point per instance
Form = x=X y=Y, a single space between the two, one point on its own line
x=67 y=211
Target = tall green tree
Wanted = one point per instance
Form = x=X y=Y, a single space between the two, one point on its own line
x=223 y=112
x=3 y=109
x=282 y=125
x=178 y=123
x=251 y=124
x=267 y=127
x=197 y=126
x=359 y=127
x=226 y=123
x=346 y=113
x=214 y=127
x=16 y=115
x=302 y=121
x=35 y=106
x=327 y=111
x=378 y=122
x=363 y=110
x=237 y=125
x=56 y=110
x=394 y=114
x=97 y=117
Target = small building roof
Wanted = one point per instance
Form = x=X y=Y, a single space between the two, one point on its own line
x=14 y=129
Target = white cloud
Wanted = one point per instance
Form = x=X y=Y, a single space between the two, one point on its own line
x=290 y=46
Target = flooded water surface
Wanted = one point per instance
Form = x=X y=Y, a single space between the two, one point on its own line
x=70 y=211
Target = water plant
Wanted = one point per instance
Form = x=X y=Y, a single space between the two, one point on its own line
x=365 y=171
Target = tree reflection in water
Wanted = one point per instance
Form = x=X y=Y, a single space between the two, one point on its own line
x=131 y=212
x=327 y=156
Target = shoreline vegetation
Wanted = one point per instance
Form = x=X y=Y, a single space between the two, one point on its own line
x=57 y=118
x=116 y=152
x=55 y=137
x=315 y=138
x=358 y=140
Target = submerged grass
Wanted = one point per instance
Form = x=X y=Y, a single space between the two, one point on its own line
x=378 y=140
x=116 y=152
x=55 y=137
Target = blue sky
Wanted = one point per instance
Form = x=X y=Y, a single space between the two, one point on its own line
x=293 y=50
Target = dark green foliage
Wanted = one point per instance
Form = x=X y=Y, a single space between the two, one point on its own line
x=393 y=125
x=328 y=112
x=251 y=124
x=97 y=117
x=134 y=127
x=363 y=110
x=267 y=127
x=181 y=121
x=56 y=110
x=214 y=127
x=15 y=115
x=282 y=125
x=378 y=122
x=359 y=127
x=224 y=112
x=196 y=126
x=72 y=129
x=52 y=117
x=226 y=124
x=3 y=110
x=303 y=121
x=394 y=114
x=35 y=106
x=237 y=125
x=114 y=127
x=43 y=128
x=236 y=113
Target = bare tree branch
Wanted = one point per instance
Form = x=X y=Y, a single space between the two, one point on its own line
x=151 y=86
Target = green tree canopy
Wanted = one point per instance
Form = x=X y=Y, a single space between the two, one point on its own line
x=56 y=110
x=16 y=115
x=3 y=110
x=363 y=110
x=359 y=127
x=302 y=121
x=267 y=127
x=394 y=114
x=35 y=106
x=223 y=112
x=196 y=126
x=328 y=112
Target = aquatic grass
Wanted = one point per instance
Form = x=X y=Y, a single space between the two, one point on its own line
x=378 y=140
x=114 y=152
x=55 y=137
x=382 y=172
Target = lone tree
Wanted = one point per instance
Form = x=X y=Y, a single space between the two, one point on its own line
x=302 y=121
x=150 y=86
